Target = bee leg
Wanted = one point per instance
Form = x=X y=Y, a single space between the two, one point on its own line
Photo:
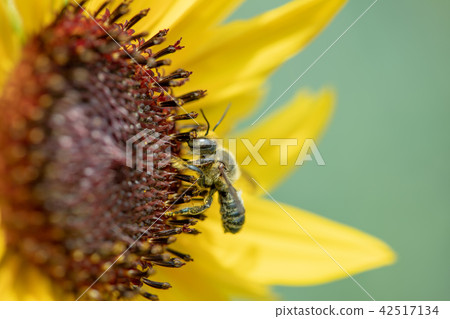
x=193 y=126
x=180 y=164
x=201 y=161
x=194 y=210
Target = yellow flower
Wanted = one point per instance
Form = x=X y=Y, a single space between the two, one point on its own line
x=279 y=244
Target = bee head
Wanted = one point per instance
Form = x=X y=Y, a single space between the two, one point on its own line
x=202 y=146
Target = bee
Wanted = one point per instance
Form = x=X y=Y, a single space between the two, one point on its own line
x=218 y=170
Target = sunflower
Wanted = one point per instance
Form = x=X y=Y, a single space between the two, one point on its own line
x=79 y=79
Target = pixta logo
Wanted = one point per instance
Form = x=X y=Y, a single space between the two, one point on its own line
x=147 y=151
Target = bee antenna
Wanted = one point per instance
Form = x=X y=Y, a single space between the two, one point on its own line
x=223 y=116
x=207 y=122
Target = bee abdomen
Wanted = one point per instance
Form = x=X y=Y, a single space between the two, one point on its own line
x=233 y=224
x=233 y=217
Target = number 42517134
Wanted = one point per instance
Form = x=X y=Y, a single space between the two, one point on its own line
x=408 y=310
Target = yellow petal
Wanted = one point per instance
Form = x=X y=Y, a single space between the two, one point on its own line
x=235 y=60
x=272 y=249
x=36 y=14
x=305 y=117
x=185 y=18
x=205 y=278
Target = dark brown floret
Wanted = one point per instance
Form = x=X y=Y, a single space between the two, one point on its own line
x=70 y=204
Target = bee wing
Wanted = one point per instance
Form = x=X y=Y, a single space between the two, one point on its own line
x=233 y=192
x=249 y=179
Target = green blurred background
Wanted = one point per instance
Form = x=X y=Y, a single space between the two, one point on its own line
x=387 y=148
